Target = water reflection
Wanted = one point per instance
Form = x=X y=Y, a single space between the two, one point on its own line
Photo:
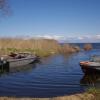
x=90 y=79
x=7 y=70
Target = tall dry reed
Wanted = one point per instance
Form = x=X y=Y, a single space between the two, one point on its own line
x=88 y=46
x=42 y=47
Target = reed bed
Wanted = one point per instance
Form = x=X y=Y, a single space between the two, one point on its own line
x=87 y=46
x=67 y=48
x=41 y=47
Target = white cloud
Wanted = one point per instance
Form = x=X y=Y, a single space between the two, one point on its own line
x=70 y=38
x=84 y=38
x=56 y=37
x=80 y=38
x=97 y=36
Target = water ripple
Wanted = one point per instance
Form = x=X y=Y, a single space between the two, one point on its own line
x=57 y=75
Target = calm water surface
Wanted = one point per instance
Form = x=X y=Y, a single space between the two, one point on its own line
x=55 y=76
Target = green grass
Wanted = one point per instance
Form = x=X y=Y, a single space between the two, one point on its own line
x=95 y=92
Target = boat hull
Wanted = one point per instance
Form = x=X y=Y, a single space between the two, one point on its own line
x=21 y=62
x=90 y=69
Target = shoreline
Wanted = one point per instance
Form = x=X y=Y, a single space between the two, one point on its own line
x=81 y=96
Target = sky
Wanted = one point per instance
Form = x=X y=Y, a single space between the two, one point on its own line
x=63 y=20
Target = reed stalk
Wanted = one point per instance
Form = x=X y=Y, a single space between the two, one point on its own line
x=41 y=47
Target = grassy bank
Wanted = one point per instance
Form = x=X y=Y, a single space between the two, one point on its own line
x=94 y=91
x=41 y=47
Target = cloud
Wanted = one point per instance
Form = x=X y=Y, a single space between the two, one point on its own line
x=68 y=38
x=80 y=38
x=97 y=36
x=72 y=38
x=56 y=37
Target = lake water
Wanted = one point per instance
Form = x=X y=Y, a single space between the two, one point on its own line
x=56 y=75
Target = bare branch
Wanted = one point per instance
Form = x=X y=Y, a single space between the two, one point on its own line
x=2 y=4
x=4 y=7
